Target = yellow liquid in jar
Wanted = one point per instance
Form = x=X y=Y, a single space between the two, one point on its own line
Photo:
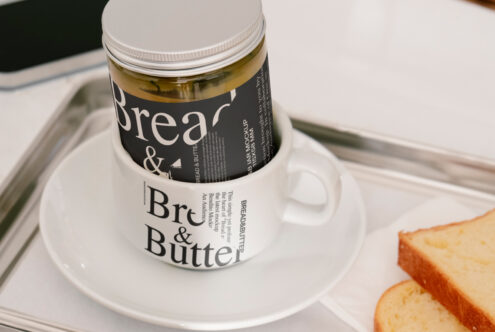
x=189 y=88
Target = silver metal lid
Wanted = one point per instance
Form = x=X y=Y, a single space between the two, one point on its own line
x=180 y=37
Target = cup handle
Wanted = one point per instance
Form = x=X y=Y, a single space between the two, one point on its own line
x=324 y=169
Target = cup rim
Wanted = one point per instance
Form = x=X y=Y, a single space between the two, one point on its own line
x=283 y=127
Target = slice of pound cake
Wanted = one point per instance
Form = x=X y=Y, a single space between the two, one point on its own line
x=407 y=307
x=456 y=264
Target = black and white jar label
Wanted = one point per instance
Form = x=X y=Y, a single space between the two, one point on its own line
x=209 y=140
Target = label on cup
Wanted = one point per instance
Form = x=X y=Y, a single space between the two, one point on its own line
x=172 y=232
x=209 y=140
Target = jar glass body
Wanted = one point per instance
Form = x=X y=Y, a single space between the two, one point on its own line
x=189 y=88
x=210 y=127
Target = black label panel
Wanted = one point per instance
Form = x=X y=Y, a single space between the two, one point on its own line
x=209 y=140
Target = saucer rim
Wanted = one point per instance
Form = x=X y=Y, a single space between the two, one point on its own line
x=199 y=325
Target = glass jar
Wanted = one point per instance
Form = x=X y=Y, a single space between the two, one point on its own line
x=191 y=86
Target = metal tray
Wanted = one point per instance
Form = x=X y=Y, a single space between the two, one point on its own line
x=385 y=167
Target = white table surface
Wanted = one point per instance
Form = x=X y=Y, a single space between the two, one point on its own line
x=416 y=69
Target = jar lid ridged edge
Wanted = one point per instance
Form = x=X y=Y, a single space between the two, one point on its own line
x=187 y=61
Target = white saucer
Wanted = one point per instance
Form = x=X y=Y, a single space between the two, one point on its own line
x=300 y=267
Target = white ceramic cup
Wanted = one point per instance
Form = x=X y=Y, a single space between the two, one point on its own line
x=212 y=225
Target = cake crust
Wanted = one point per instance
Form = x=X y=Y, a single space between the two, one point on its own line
x=406 y=306
x=440 y=286
x=455 y=223
x=376 y=321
